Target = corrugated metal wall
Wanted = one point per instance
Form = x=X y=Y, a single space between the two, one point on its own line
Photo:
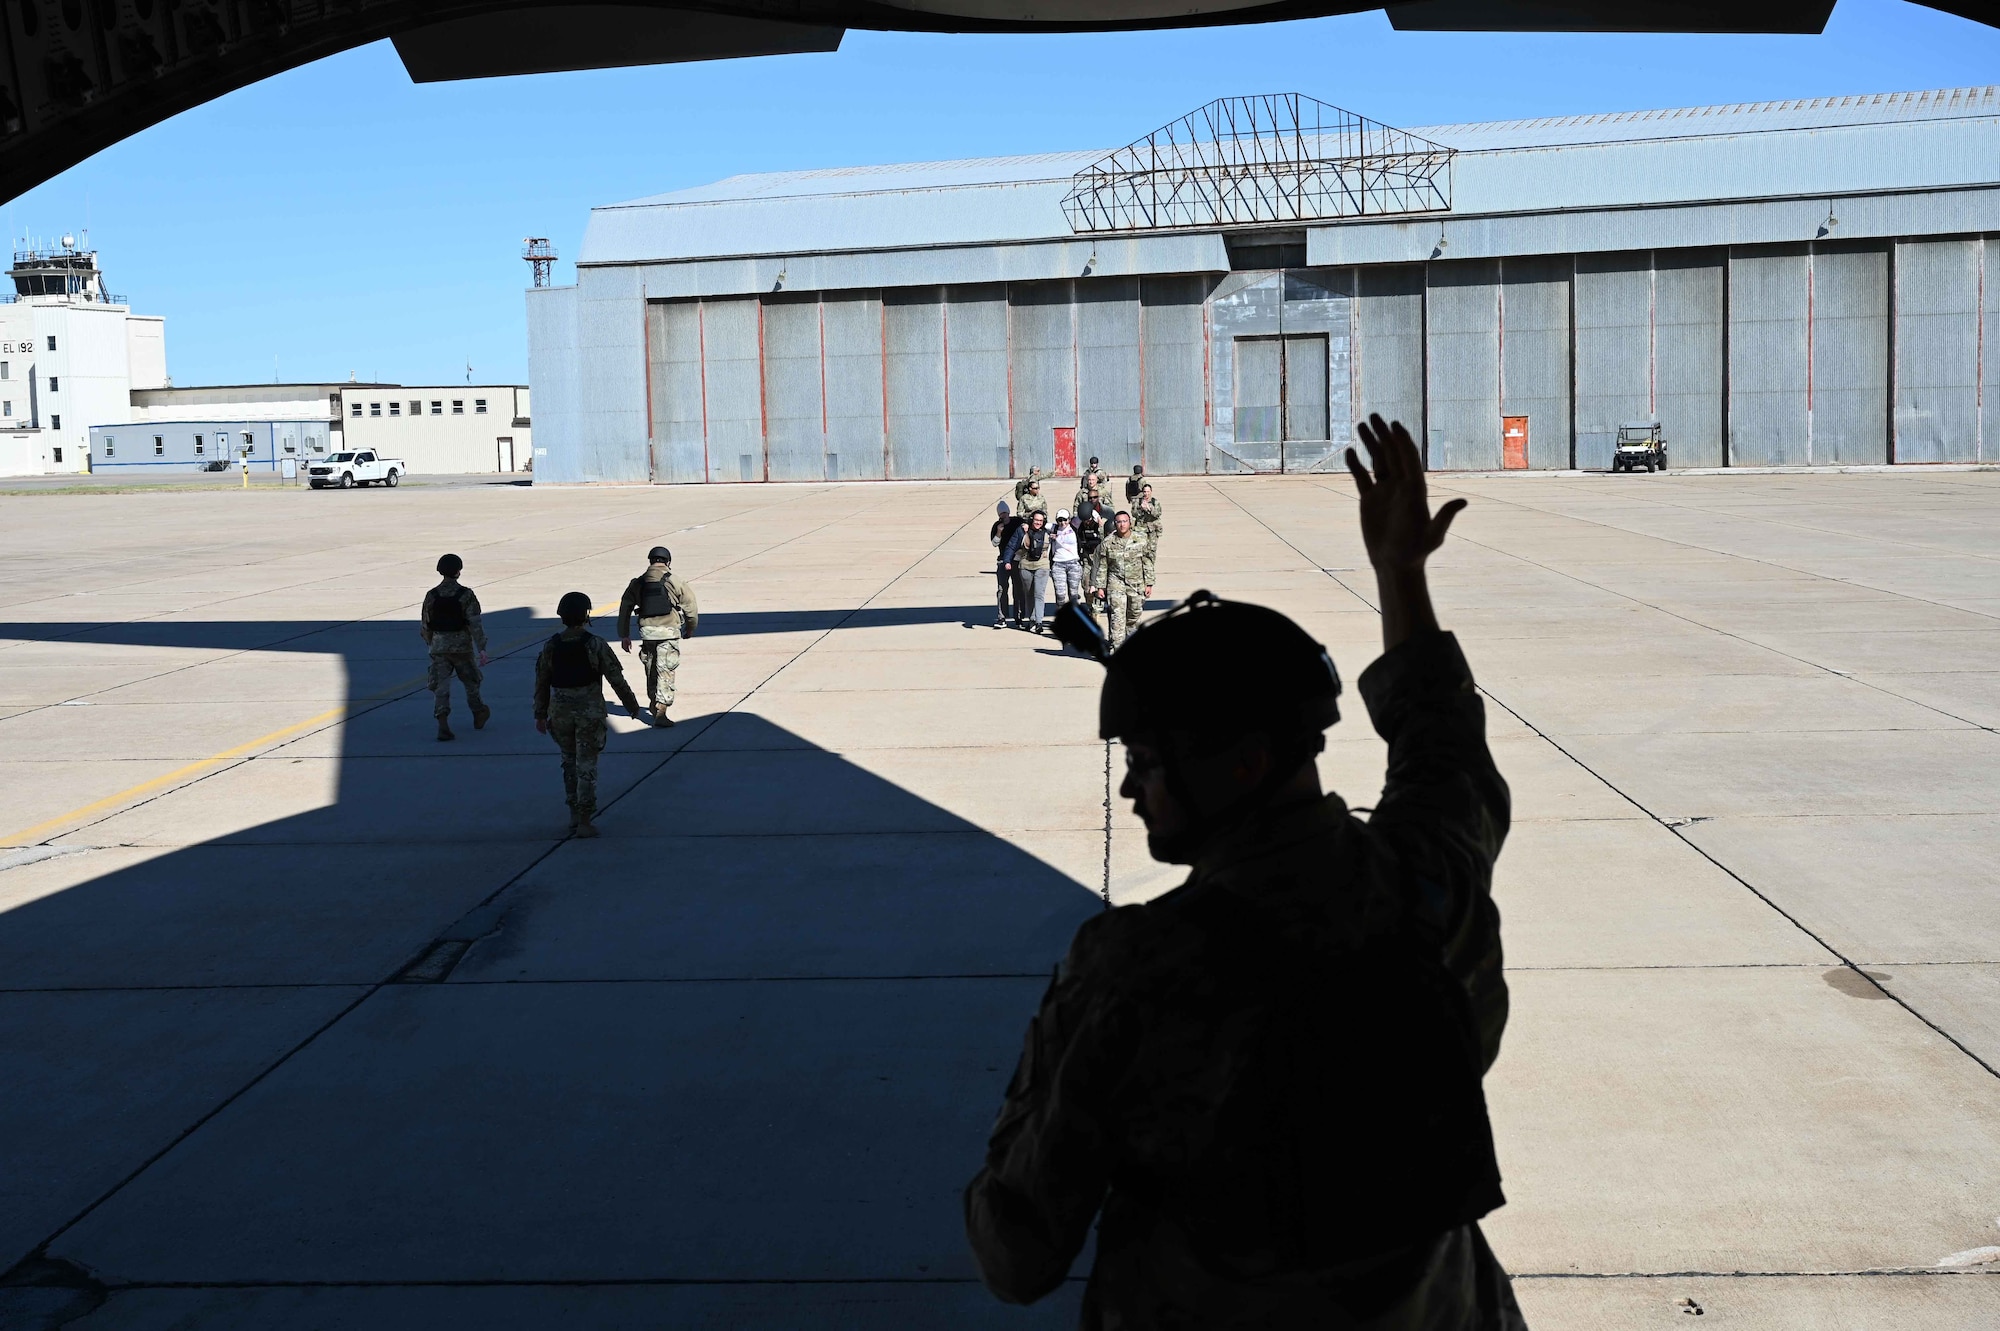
x=976 y=377
x=1535 y=353
x=1614 y=350
x=1937 y=351
x=794 y=414
x=1389 y=345
x=1850 y=354
x=1689 y=374
x=1770 y=315
x=1173 y=314
x=1107 y=372
x=1462 y=376
x=1222 y=373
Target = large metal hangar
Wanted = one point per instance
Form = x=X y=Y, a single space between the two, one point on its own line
x=1778 y=284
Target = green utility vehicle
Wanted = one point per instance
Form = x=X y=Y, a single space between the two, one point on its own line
x=1640 y=445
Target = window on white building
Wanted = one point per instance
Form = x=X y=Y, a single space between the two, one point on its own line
x=159 y=445
x=55 y=422
x=458 y=406
x=374 y=408
x=479 y=406
x=395 y=408
x=197 y=445
x=54 y=383
x=437 y=408
x=249 y=442
x=416 y=408
x=110 y=447
x=357 y=409
x=58 y=453
x=52 y=341
x=7 y=407
x=3 y=369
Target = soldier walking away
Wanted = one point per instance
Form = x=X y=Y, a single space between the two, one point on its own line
x=667 y=614
x=452 y=627
x=1124 y=579
x=1146 y=521
x=1265 y=1085
x=569 y=703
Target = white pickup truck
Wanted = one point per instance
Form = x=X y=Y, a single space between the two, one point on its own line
x=359 y=468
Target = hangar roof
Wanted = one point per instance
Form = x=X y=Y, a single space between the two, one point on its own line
x=1826 y=146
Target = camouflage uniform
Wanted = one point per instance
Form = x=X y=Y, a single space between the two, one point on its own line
x=1266 y=1084
x=1021 y=486
x=1027 y=505
x=576 y=716
x=1146 y=522
x=1123 y=569
x=455 y=652
x=659 y=635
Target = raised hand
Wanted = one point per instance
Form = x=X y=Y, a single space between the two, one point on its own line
x=1398 y=527
x=1396 y=521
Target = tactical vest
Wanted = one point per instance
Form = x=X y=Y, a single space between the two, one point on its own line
x=1035 y=544
x=448 y=613
x=570 y=666
x=656 y=599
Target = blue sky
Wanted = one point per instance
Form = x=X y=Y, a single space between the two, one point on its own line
x=340 y=219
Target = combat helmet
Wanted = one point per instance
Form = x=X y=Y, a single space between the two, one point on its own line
x=1210 y=666
x=573 y=606
x=450 y=565
x=659 y=554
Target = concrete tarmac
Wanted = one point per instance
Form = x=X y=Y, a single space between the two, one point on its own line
x=308 y=1020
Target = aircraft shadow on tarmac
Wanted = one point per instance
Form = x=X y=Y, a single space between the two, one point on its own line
x=406 y=1058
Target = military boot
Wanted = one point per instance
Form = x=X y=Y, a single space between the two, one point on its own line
x=660 y=717
x=479 y=718
x=585 y=829
x=444 y=729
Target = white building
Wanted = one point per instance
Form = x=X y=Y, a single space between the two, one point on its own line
x=455 y=428
x=70 y=357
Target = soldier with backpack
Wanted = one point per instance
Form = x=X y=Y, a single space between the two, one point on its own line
x=569 y=703
x=667 y=613
x=451 y=626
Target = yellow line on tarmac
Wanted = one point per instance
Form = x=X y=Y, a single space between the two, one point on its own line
x=27 y=835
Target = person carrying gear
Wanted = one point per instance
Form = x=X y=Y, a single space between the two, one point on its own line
x=451 y=626
x=667 y=614
x=1021 y=486
x=1124 y=579
x=1027 y=554
x=1095 y=521
x=1266 y=1085
x=1146 y=520
x=1135 y=482
x=570 y=675
x=1092 y=475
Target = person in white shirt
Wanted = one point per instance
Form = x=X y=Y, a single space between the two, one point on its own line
x=1065 y=561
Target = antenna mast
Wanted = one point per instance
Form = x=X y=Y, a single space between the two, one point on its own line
x=541 y=255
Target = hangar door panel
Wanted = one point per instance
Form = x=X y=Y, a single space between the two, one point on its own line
x=976 y=379
x=854 y=407
x=1688 y=354
x=913 y=339
x=1389 y=345
x=1769 y=310
x=1043 y=337
x=1176 y=385
x=1107 y=367
x=732 y=371
x=674 y=334
x=795 y=436
x=1989 y=408
x=1850 y=354
x=1260 y=401
x=1247 y=308
x=1535 y=354
x=1614 y=351
x=1937 y=351
x=1462 y=319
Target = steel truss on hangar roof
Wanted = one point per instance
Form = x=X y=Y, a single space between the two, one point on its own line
x=1248 y=161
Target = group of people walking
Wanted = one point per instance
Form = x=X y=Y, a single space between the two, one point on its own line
x=572 y=669
x=1093 y=553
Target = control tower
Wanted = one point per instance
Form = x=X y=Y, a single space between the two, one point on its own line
x=64 y=273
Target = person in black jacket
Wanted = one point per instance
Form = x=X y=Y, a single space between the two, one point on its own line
x=1266 y=1085
x=1004 y=525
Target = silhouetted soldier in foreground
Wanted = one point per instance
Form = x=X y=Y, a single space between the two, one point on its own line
x=455 y=632
x=570 y=675
x=1268 y=1081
